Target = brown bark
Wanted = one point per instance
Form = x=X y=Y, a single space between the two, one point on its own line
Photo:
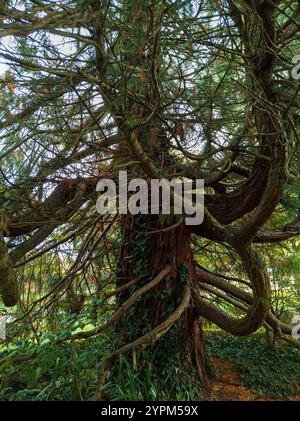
x=162 y=248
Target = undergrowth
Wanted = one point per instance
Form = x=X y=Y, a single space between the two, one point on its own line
x=69 y=371
x=268 y=371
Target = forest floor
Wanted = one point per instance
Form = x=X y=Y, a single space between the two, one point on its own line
x=246 y=369
x=228 y=385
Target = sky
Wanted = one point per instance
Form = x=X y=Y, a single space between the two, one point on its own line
x=4 y=43
x=3 y=68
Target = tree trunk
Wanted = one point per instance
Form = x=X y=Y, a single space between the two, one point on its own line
x=147 y=248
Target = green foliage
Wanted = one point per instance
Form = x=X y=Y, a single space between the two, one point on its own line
x=51 y=372
x=185 y=77
x=69 y=371
x=160 y=375
x=268 y=371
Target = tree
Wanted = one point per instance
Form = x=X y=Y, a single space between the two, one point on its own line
x=165 y=89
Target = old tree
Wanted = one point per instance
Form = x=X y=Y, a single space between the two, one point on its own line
x=163 y=89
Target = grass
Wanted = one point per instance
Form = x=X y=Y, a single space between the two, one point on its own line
x=69 y=372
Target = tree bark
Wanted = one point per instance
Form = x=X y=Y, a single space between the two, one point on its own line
x=147 y=247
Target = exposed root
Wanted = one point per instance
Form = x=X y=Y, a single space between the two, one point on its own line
x=143 y=342
x=125 y=306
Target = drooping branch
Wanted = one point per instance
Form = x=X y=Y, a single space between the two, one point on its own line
x=260 y=304
x=243 y=296
x=144 y=341
x=71 y=18
x=53 y=209
x=63 y=214
x=261 y=192
x=125 y=306
x=278 y=234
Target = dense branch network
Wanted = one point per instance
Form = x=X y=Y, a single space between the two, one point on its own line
x=192 y=90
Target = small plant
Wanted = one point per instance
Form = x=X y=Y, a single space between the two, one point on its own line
x=267 y=371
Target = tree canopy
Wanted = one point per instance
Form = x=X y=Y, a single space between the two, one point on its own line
x=160 y=88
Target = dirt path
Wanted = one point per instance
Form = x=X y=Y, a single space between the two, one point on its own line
x=228 y=385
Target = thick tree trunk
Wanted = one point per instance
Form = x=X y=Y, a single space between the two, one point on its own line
x=146 y=249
